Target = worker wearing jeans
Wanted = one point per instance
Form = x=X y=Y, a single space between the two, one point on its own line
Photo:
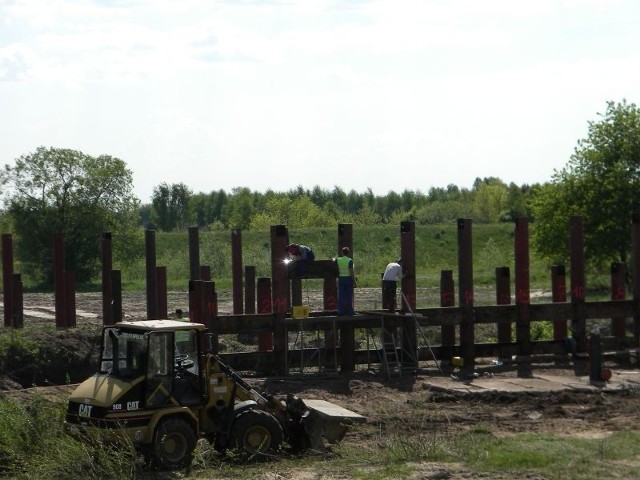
x=346 y=283
x=392 y=274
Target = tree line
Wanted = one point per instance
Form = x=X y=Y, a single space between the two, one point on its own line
x=490 y=200
x=65 y=191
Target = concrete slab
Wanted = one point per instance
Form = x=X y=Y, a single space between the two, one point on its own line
x=332 y=411
x=536 y=383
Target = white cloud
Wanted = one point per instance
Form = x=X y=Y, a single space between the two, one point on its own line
x=442 y=91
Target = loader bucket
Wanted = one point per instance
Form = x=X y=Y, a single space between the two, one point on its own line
x=328 y=421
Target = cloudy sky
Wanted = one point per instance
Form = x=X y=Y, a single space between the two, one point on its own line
x=381 y=94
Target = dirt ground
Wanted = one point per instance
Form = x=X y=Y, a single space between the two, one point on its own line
x=412 y=404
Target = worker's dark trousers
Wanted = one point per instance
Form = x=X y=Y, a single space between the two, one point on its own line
x=389 y=295
x=345 y=296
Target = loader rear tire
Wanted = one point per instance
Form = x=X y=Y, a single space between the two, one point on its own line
x=256 y=435
x=173 y=445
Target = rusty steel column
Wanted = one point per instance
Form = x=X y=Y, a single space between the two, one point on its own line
x=58 y=279
x=578 y=322
x=345 y=237
x=280 y=293
x=559 y=295
x=618 y=274
x=329 y=294
x=465 y=277
x=7 y=273
x=195 y=271
x=17 y=318
x=194 y=253
x=523 y=296
x=265 y=339
x=195 y=300
x=70 y=299
x=346 y=336
x=447 y=299
x=236 y=270
x=408 y=255
x=161 y=293
x=635 y=258
x=107 y=266
x=250 y=289
x=152 y=298
x=409 y=324
x=116 y=289
x=210 y=311
x=205 y=273
x=296 y=291
x=503 y=297
x=330 y=288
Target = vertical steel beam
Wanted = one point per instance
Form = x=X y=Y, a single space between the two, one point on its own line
x=559 y=295
x=578 y=323
x=17 y=319
x=280 y=293
x=447 y=299
x=503 y=297
x=7 y=273
x=265 y=339
x=236 y=270
x=635 y=258
x=194 y=253
x=523 y=296
x=210 y=311
x=70 y=299
x=205 y=273
x=58 y=279
x=250 y=289
x=161 y=293
x=107 y=266
x=408 y=255
x=116 y=289
x=195 y=300
x=329 y=294
x=195 y=271
x=409 y=324
x=618 y=274
x=465 y=277
x=330 y=288
x=152 y=297
x=346 y=336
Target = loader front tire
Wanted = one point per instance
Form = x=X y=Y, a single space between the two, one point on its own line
x=173 y=445
x=256 y=435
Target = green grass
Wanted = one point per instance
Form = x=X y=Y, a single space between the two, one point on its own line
x=33 y=446
x=374 y=247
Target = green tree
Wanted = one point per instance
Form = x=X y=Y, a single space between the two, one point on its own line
x=490 y=200
x=295 y=213
x=171 y=206
x=65 y=191
x=239 y=208
x=601 y=183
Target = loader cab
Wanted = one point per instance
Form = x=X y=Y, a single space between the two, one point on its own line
x=159 y=359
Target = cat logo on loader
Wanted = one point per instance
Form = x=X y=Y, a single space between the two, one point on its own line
x=161 y=386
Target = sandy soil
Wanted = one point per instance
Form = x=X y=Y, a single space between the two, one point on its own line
x=413 y=406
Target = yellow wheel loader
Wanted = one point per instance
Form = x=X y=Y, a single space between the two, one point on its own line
x=160 y=386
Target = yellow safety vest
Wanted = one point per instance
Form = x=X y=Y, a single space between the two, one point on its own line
x=343 y=266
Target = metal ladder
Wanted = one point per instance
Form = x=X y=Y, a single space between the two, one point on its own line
x=389 y=351
x=420 y=330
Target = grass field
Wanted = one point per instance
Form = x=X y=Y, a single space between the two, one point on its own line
x=374 y=247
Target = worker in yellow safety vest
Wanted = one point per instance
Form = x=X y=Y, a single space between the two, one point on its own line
x=346 y=283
